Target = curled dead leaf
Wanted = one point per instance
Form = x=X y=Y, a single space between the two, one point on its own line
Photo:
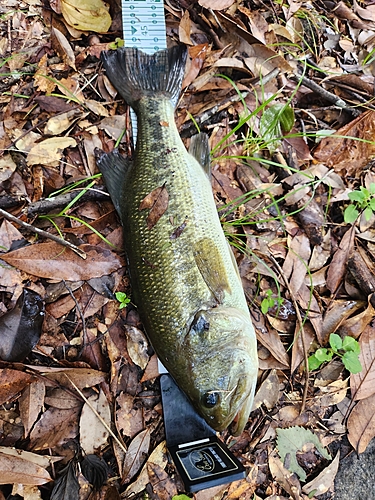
x=86 y=15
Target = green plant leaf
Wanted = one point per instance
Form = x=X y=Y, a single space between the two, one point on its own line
x=181 y=497
x=372 y=204
x=351 y=362
x=286 y=118
x=314 y=363
x=350 y=345
x=323 y=354
x=123 y=299
x=335 y=342
x=293 y=439
x=357 y=196
x=368 y=213
x=350 y=214
x=372 y=188
x=267 y=304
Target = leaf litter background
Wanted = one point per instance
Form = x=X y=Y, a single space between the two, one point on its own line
x=81 y=415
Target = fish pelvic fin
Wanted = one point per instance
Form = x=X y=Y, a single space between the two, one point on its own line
x=136 y=74
x=114 y=168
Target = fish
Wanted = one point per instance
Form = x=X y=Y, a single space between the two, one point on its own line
x=184 y=278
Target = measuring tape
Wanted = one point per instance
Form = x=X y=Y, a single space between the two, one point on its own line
x=143 y=26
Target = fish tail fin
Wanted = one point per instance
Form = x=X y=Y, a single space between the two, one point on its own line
x=136 y=74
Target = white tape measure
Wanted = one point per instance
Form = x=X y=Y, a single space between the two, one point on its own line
x=143 y=24
x=143 y=27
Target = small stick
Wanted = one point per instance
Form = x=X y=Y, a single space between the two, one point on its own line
x=36 y=230
x=323 y=92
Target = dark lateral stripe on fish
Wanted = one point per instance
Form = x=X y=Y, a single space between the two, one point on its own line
x=136 y=74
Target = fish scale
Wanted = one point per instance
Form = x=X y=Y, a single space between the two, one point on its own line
x=187 y=289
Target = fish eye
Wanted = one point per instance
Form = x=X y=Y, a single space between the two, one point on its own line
x=210 y=399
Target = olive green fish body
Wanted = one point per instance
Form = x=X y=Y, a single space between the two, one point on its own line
x=184 y=279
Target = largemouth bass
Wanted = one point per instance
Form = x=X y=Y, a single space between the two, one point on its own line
x=185 y=281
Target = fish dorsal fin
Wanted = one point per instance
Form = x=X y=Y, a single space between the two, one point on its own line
x=115 y=169
x=200 y=149
x=212 y=268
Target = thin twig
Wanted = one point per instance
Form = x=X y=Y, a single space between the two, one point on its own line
x=78 y=309
x=337 y=101
x=36 y=230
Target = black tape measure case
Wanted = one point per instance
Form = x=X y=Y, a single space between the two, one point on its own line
x=202 y=460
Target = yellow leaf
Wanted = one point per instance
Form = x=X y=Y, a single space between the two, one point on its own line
x=87 y=15
x=49 y=152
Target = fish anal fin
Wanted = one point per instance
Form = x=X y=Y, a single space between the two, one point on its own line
x=200 y=149
x=114 y=168
x=211 y=266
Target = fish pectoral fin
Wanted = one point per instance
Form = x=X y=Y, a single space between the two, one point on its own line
x=115 y=169
x=200 y=149
x=211 y=266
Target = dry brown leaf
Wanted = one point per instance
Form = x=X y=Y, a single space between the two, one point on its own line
x=368 y=13
x=93 y=434
x=55 y=427
x=60 y=398
x=184 y=29
x=343 y=150
x=58 y=124
x=51 y=259
x=70 y=87
x=298 y=349
x=197 y=55
x=42 y=77
x=12 y=382
x=129 y=419
x=157 y=202
x=338 y=266
x=8 y=234
x=268 y=392
x=81 y=377
x=269 y=338
x=137 y=346
x=15 y=469
x=362 y=384
x=136 y=455
x=361 y=424
x=159 y=457
x=162 y=485
x=7 y=167
x=337 y=312
x=41 y=460
x=325 y=480
x=49 y=151
x=295 y=264
x=284 y=477
x=354 y=326
x=62 y=47
x=216 y=4
x=31 y=403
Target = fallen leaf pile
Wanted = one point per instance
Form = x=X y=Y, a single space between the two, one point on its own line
x=284 y=91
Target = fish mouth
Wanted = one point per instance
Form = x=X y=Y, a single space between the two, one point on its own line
x=233 y=407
